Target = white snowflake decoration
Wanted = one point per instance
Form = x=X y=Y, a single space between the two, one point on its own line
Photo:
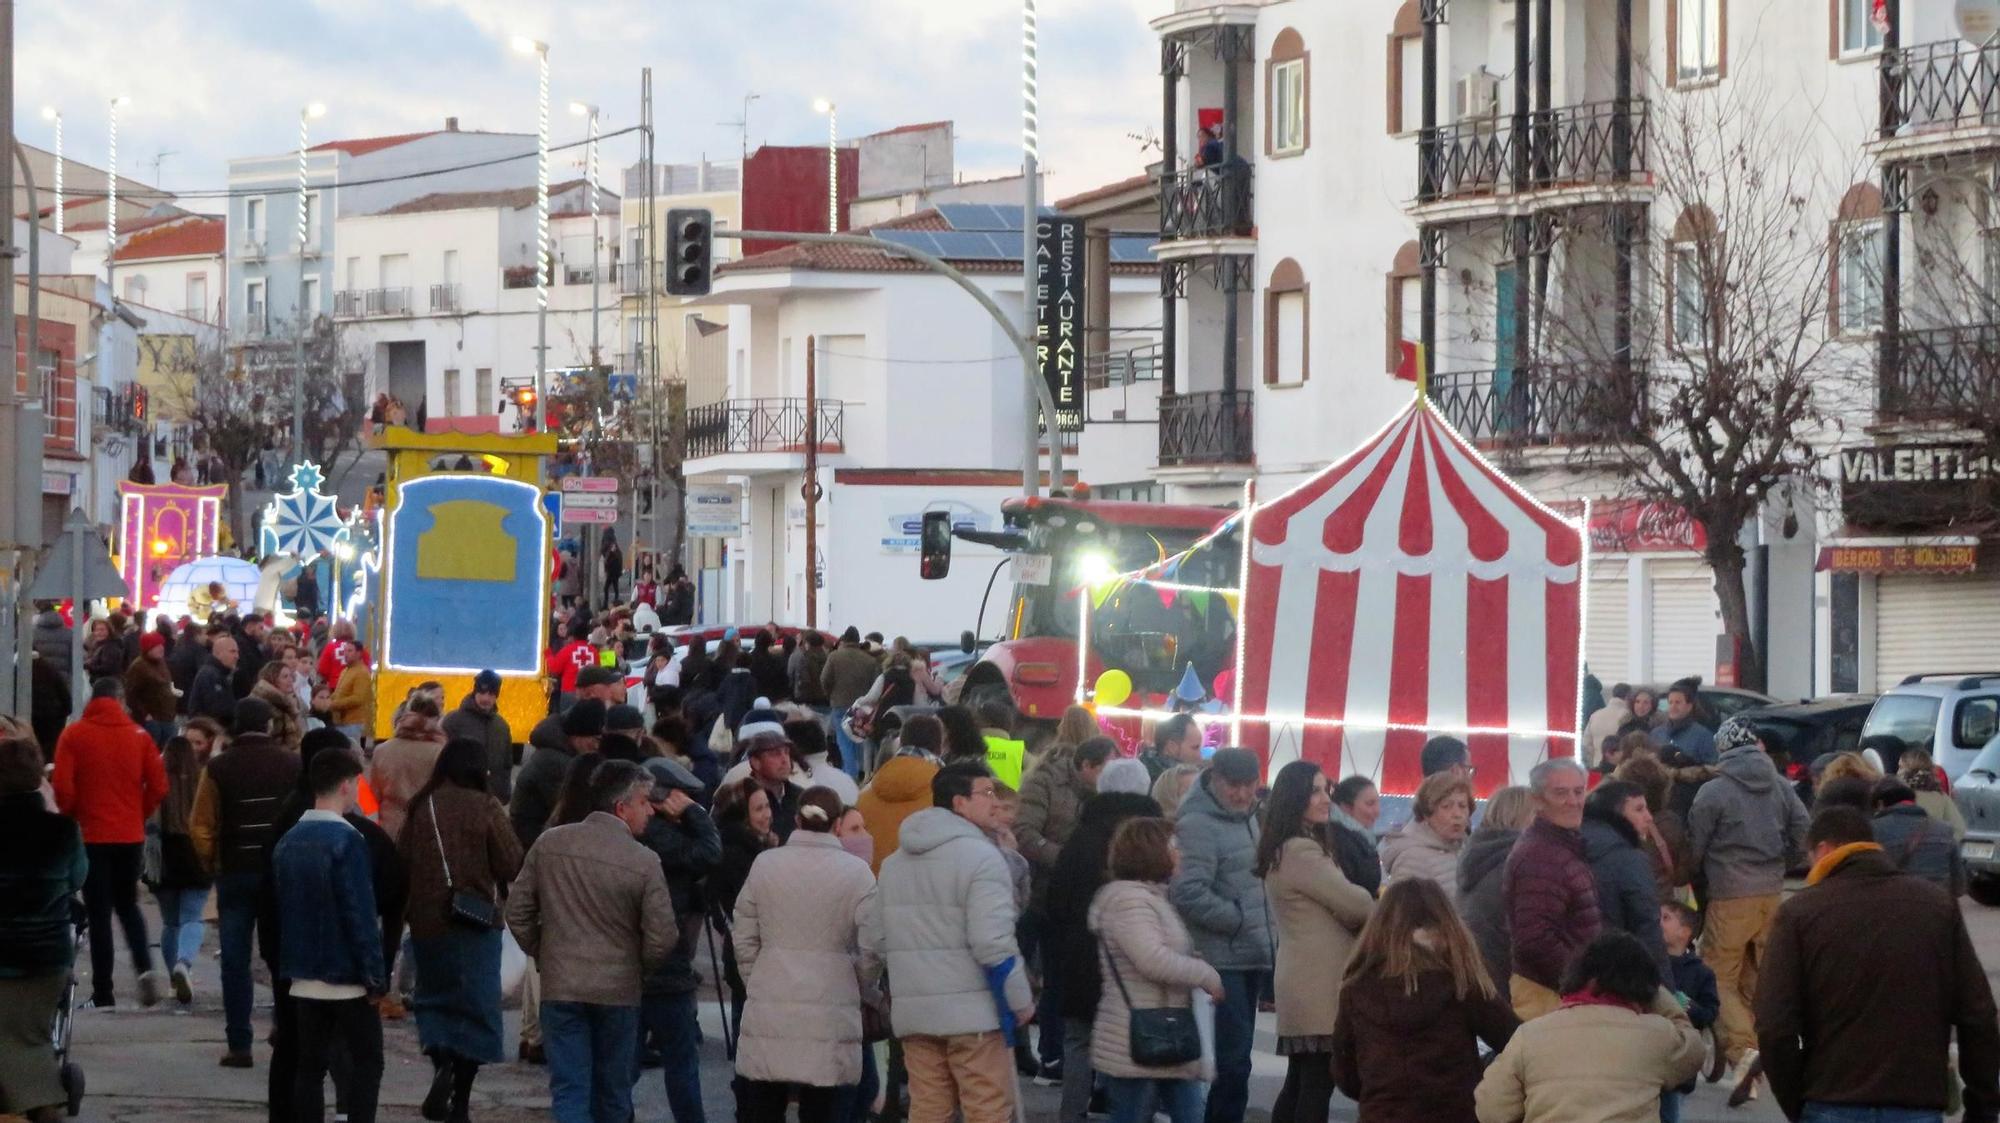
x=303 y=522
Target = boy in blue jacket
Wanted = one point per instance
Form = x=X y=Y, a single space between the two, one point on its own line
x=1693 y=982
x=332 y=950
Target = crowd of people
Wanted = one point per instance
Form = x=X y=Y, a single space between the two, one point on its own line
x=908 y=909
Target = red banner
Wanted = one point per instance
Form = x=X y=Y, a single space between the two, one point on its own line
x=1637 y=526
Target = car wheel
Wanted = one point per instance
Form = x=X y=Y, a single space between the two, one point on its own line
x=1985 y=890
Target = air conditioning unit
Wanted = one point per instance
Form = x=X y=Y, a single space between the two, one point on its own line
x=1478 y=95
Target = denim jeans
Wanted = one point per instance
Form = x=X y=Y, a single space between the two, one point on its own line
x=236 y=896
x=1136 y=1099
x=1670 y=1106
x=1817 y=1112
x=180 y=924
x=671 y=1019
x=1048 y=1005
x=592 y=1051
x=1235 y=1030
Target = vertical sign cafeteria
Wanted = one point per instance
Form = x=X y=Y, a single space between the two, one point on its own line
x=1059 y=316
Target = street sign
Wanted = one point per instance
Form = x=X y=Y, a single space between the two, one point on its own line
x=573 y=484
x=1978 y=20
x=590 y=516
x=552 y=502
x=590 y=500
x=714 y=510
x=624 y=387
x=78 y=566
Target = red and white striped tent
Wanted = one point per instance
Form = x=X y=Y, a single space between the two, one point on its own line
x=1408 y=590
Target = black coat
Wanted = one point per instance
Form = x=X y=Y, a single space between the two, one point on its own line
x=214 y=695
x=688 y=850
x=41 y=868
x=1628 y=896
x=1359 y=861
x=1080 y=872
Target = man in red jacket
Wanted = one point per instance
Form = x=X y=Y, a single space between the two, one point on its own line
x=109 y=778
x=1548 y=890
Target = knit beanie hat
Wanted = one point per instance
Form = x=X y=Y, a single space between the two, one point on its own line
x=1125 y=774
x=1734 y=734
x=760 y=720
x=151 y=641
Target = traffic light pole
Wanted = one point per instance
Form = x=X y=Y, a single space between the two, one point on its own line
x=1030 y=483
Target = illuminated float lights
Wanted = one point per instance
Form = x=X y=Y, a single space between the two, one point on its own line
x=1366 y=725
x=541 y=517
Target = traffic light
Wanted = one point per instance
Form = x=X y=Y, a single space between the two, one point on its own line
x=690 y=250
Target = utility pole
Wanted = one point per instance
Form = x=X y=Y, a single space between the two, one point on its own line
x=1031 y=454
x=810 y=489
x=15 y=491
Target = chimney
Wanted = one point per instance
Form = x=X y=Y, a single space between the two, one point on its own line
x=451 y=124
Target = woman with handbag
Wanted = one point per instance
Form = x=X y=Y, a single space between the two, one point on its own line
x=461 y=849
x=800 y=947
x=178 y=880
x=1144 y=1039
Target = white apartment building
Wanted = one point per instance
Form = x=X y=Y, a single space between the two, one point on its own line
x=919 y=406
x=174 y=263
x=437 y=296
x=1486 y=184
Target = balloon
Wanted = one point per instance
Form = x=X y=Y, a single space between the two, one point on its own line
x=1113 y=688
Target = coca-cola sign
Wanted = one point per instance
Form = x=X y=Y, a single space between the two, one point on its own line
x=1638 y=526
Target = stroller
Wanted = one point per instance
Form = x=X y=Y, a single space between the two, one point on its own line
x=62 y=1030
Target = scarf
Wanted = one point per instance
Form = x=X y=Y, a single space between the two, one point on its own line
x=1591 y=996
x=1835 y=858
x=1351 y=823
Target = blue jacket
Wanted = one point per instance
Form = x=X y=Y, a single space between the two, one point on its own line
x=326 y=893
x=1694 y=739
x=1695 y=982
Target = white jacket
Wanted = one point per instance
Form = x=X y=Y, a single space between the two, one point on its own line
x=817 y=774
x=804 y=950
x=946 y=913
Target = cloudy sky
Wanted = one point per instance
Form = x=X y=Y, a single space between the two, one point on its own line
x=211 y=79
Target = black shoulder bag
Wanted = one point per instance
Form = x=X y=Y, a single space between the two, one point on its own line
x=1160 y=1036
x=472 y=910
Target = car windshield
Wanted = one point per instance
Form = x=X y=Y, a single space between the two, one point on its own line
x=1910 y=718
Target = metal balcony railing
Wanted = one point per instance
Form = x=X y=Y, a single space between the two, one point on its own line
x=1213 y=427
x=1542 y=403
x=1207 y=203
x=762 y=425
x=1141 y=363
x=1944 y=84
x=385 y=302
x=347 y=303
x=578 y=274
x=631 y=277
x=1941 y=374
x=1596 y=142
x=446 y=298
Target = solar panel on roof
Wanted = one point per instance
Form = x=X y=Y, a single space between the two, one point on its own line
x=1132 y=249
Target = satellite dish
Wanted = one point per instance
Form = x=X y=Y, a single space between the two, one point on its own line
x=1978 y=20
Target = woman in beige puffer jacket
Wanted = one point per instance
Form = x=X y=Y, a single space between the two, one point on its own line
x=1143 y=945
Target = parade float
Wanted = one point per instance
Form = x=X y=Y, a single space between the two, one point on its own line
x=161 y=529
x=1409 y=589
x=464 y=569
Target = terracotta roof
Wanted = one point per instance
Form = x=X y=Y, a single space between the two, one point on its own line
x=859 y=259
x=514 y=197
x=1104 y=192
x=194 y=236
x=364 y=145
x=127 y=225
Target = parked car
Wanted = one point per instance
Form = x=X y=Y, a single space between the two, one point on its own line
x=635 y=649
x=1718 y=703
x=1800 y=733
x=1977 y=793
x=1950 y=716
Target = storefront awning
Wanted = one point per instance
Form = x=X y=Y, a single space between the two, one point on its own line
x=1956 y=553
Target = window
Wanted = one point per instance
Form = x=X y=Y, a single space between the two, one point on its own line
x=308 y=300
x=1287 y=92
x=49 y=367
x=255 y=314
x=451 y=267
x=253 y=220
x=1859 y=33
x=486 y=397
x=353 y=274
x=1860 y=280
x=450 y=402
x=1975 y=722
x=1403 y=313
x=135 y=289
x=1699 y=36
x=197 y=296
x=1287 y=330
x=1690 y=302
x=1406 y=70
x=1288 y=107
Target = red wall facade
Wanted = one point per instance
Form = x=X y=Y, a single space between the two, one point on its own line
x=784 y=188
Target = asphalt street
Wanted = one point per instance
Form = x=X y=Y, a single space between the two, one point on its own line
x=159 y=1065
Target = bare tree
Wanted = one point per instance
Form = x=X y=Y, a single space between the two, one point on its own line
x=237 y=398
x=1733 y=386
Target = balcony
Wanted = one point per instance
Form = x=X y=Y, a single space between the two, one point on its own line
x=579 y=274
x=1120 y=368
x=1213 y=427
x=741 y=425
x=446 y=299
x=1542 y=404
x=1206 y=203
x=1934 y=87
x=523 y=276
x=347 y=304
x=385 y=302
x=1941 y=374
x=631 y=277
x=1595 y=144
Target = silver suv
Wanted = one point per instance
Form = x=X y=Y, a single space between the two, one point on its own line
x=1950 y=716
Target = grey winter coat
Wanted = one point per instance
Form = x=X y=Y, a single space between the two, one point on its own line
x=1628 y=896
x=1216 y=890
x=1051 y=802
x=1746 y=826
x=1415 y=850
x=491 y=730
x=944 y=914
x=52 y=640
x=1918 y=844
x=1484 y=910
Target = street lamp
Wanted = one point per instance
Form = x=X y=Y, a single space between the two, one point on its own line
x=311 y=112
x=111 y=198
x=540 y=50
x=51 y=113
x=822 y=105
x=582 y=109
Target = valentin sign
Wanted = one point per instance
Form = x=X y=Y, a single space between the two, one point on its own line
x=1059 y=316
x=1916 y=486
